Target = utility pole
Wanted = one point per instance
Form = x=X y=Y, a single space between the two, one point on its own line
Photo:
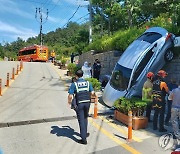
x=40 y=14
x=90 y=22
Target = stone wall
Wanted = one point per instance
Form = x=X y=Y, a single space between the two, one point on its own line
x=109 y=59
x=173 y=69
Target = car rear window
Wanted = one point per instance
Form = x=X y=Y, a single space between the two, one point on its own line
x=150 y=37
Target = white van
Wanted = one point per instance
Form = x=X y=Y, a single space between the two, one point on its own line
x=149 y=52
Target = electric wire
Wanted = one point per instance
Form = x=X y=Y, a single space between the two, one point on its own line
x=55 y=5
x=72 y=16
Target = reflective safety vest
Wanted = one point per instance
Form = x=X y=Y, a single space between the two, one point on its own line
x=147 y=91
x=159 y=90
x=146 y=96
x=52 y=54
x=82 y=92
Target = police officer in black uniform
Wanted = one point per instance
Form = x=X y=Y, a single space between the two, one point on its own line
x=82 y=90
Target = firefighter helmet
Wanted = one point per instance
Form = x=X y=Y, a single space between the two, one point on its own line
x=150 y=75
x=162 y=73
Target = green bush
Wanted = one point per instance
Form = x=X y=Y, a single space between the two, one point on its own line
x=72 y=68
x=95 y=83
x=63 y=61
x=136 y=105
x=124 y=37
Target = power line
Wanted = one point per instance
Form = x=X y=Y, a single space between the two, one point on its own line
x=55 y=5
x=45 y=3
x=72 y=16
x=86 y=19
x=82 y=17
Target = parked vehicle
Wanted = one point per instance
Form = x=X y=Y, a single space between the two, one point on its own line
x=33 y=53
x=149 y=52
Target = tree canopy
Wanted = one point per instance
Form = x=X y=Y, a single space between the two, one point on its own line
x=109 y=19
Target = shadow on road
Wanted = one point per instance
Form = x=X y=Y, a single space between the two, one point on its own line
x=65 y=131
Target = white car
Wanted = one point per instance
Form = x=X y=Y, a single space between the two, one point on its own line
x=149 y=52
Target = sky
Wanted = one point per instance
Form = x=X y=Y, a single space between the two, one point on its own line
x=18 y=18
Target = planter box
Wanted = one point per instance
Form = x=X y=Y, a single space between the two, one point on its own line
x=69 y=73
x=63 y=67
x=137 y=122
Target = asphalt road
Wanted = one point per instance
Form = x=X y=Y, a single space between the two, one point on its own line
x=36 y=119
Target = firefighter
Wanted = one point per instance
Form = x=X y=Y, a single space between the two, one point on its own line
x=159 y=92
x=83 y=91
x=53 y=55
x=147 y=93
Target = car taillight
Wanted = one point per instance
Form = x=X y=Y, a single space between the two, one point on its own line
x=168 y=36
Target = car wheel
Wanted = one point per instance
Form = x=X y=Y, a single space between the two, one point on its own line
x=168 y=56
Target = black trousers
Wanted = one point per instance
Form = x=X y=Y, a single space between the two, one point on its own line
x=82 y=114
x=159 y=113
x=96 y=74
x=168 y=116
x=148 y=110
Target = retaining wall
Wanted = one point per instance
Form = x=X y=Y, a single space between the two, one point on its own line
x=109 y=59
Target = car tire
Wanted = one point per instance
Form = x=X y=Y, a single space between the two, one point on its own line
x=168 y=56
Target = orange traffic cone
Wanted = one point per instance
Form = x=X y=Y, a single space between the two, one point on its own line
x=95 y=107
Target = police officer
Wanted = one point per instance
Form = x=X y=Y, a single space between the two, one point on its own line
x=175 y=111
x=172 y=85
x=160 y=90
x=147 y=93
x=83 y=91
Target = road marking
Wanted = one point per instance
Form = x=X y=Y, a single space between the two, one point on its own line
x=124 y=145
x=119 y=129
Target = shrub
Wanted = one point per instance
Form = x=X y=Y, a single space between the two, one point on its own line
x=136 y=105
x=121 y=39
x=95 y=83
x=72 y=68
x=63 y=62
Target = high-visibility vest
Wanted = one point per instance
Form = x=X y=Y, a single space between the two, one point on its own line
x=52 y=54
x=82 y=92
x=146 y=96
x=159 y=91
x=147 y=91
